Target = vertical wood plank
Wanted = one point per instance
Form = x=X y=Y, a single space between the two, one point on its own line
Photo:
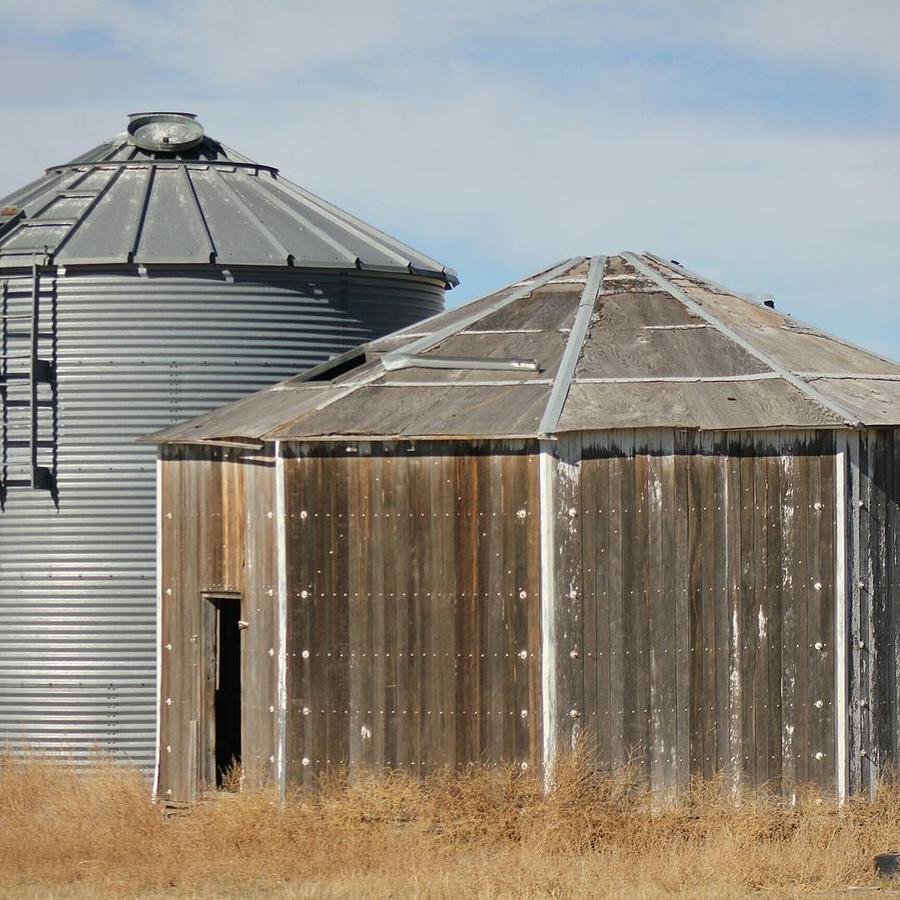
x=682 y=634
x=746 y=607
x=620 y=492
x=588 y=516
x=640 y=644
x=662 y=621
x=569 y=592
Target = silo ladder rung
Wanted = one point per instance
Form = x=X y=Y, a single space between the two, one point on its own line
x=24 y=346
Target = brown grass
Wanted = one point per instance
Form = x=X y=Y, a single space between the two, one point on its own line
x=485 y=833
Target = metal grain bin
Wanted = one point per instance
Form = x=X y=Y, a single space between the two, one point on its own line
x=152 y=279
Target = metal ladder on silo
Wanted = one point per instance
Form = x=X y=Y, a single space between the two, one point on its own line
x=23 y=369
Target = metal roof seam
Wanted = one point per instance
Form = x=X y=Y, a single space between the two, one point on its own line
x=201 y=217
x=370 y=232
x=253 y=216
x=101 y=193
x=142 y=215
x=346 y=221
x=692 y=306
x=574 y=345
x=263 y=189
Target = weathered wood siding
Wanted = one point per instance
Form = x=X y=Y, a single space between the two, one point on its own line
x=875 y=618
x=413 y=608
x=694 y=607
x=218 y=534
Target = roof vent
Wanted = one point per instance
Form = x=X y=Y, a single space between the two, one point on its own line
x=166 y=132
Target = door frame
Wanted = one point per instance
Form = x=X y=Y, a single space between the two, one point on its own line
x=206 y=684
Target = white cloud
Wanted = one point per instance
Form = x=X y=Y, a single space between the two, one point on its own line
x=443 y=151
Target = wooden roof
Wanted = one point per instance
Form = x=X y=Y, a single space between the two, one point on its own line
x=626 y=341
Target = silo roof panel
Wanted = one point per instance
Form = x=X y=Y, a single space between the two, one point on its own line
x=205 y=202
x=114 y=225
x=171 y=228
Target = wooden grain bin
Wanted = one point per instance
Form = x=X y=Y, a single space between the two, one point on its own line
x=612 y=500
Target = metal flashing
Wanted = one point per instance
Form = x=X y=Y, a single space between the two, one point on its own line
x=400 y=360
x=560 y=390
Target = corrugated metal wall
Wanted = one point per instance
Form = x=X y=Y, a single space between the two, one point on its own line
x=133 y=353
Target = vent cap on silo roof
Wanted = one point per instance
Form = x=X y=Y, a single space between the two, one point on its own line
x=164 y=132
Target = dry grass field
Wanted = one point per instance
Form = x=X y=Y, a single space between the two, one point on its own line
x=485 y=833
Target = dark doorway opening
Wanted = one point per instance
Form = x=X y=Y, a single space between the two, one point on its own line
x=224 y=690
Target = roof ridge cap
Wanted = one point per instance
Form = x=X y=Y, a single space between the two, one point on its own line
x=578 y=332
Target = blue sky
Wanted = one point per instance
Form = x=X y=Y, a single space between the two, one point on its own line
x=757 y=142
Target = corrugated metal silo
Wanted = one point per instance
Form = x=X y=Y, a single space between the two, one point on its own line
x=149 y=280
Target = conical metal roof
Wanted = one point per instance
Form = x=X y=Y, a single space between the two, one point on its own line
x=165 y=192
x=626 y=341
